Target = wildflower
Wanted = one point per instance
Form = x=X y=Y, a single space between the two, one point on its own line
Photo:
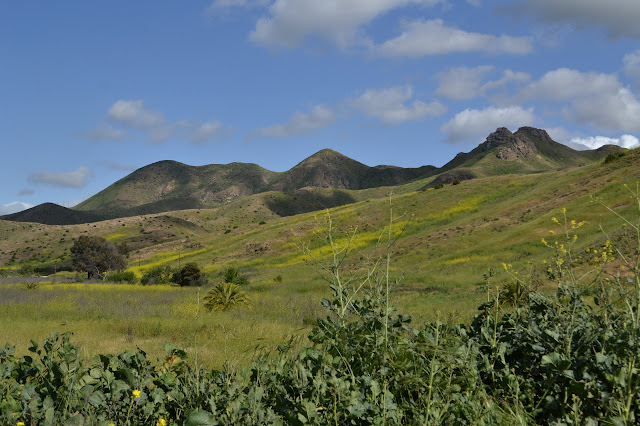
x=135 y=393
x=20 y=424
x=544 y=262
x=161 y=422
x=564 y=210
x=551 y=231
x=554 y=220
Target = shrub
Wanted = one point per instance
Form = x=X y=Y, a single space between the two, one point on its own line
x=125 y=276
x=158 y=275
x=614 y=156
x=189 y=275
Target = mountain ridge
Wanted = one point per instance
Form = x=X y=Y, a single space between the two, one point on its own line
x=169 y=185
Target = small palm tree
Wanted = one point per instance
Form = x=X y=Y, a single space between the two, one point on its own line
x=225 y=296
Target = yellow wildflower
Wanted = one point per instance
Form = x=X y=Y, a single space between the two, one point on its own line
x=20 y=424
x=563 y=210
x=135 y=393
x=161 y=422
x=554 y=220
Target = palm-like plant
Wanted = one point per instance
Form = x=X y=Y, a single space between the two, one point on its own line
x=225 y=296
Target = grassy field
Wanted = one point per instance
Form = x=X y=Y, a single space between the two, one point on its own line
x=451 y=238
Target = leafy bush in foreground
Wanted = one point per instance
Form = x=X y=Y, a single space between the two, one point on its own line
x=567 y=358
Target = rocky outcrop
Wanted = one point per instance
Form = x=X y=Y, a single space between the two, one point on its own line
x=509 y=146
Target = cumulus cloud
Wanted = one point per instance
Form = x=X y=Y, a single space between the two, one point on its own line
x=423 y=38
x=477 y=124
x=593 y=99
x=594 y=142
x=134 y=115
x=14 y=207
x=76 y=179
x=461 y=82
x=103 y=132
x=292 y=21
x=468 y=83
x=198 y=132
x=321 y=116
x=565 y=84
x=617 y=110
x=390 y=105
x=631 y=63
x=618 y=18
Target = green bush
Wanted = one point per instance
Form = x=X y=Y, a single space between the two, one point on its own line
x=189 y=275
x=158 y=275
x=124 y=276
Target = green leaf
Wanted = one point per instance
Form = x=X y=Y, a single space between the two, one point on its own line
x=200 y=418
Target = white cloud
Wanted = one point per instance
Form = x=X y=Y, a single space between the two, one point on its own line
x=565 y=84
x=14 y=207
x=134 y=115
x=477 y=124
x=461 y=82
x=631 y=63
x=594 y=142
x=467 y=83
x=198 y=132
x=103 y=132
x=76 y=179
x=422 y=38
x=616 y=110
x=389 y=105
x=321 y=116
x=619 y=18
x=292 y=21
x=588 y=98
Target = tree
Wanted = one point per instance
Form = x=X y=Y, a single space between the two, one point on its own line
x=225 y=296
x=189 y=275
x=97 y=256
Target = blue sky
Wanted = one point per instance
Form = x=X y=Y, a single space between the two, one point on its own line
x=90 y=91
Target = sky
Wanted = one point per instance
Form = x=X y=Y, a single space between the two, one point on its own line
x=91 y=91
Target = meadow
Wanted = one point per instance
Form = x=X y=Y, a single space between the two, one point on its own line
x=451 y=239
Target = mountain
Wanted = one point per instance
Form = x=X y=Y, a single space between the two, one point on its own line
x=53 y=214
x=529 y=150
x=170 y=185
x=325 y=179
x=330 y=169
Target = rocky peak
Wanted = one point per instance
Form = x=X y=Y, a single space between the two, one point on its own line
x=510 y=146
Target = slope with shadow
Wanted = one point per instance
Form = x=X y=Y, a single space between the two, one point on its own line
x=53 y=214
